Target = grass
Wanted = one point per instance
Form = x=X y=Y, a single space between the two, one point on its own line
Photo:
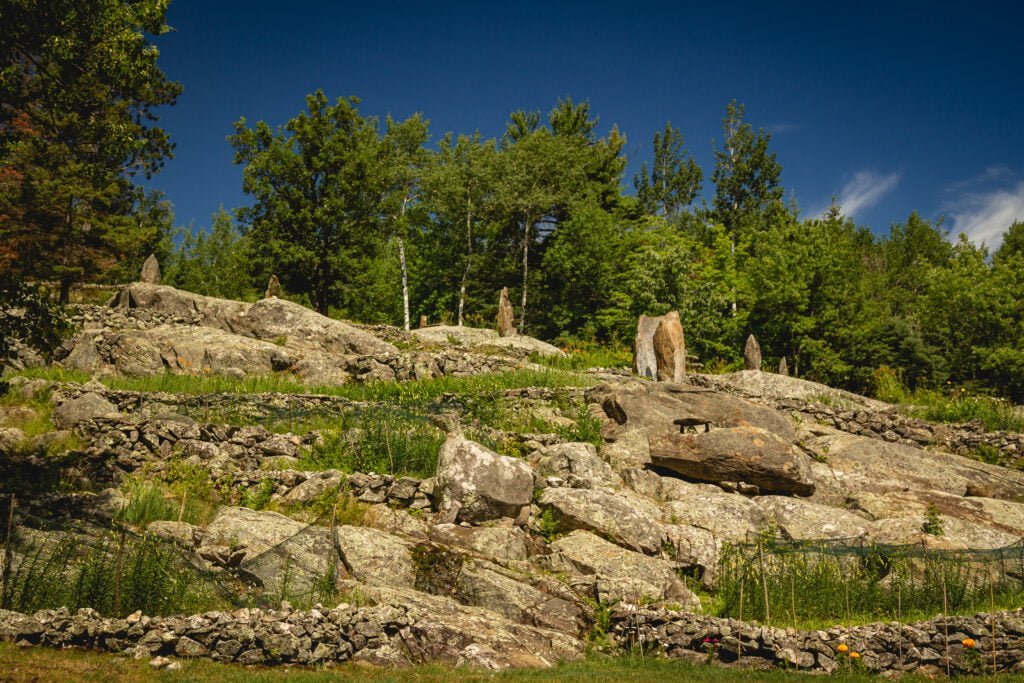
x=41 y=664
x=587 y=357
x=818 y=586
x=956 y=406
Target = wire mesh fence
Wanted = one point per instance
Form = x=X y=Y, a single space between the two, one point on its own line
x=826 y=581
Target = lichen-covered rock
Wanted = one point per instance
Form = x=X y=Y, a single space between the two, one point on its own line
x=270 y=547
x=495 y=542
x=670 y=349
x=85 y=407
x=475 y=337
x=619 y=574
x=480 y=484
x=737 y=454
x=575 y=463
x=376 y=557
x=622 y=517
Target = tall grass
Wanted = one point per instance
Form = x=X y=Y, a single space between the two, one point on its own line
x=116 y=574
x=589 y=356
x=955 y=405
x=816 y=587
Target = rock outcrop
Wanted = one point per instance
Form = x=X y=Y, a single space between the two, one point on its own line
x=476 y=484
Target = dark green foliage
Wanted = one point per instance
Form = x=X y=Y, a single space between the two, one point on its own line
x=438 y=568
x=115 y=574
x=28 y=315
x=79 y=81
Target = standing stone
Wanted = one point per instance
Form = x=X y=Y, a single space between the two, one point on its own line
x=645 y=363
x=273 y=288
x=670 y=349
x=506 y=316
x=423 y=321
x=752 y=354
x=783 y=367
x=150 y=271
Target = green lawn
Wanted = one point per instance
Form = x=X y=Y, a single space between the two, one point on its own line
x=43 y=664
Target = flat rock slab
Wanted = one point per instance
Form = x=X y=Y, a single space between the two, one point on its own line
x=453 y=335
x=738 y=454
x=654 y=407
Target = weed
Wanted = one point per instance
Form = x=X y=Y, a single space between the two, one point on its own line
x=147 y=502
x=549 y=525
x=932 y=521
x=259 y=498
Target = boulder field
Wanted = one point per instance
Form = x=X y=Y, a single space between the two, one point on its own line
x=495 y=561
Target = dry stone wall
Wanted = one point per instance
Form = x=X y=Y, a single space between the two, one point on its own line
x=882 y=647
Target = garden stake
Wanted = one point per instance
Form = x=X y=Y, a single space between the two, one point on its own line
x=8 y=552
x=899 y=620
x=992 y=613
x=945 y=620
x=764 y=583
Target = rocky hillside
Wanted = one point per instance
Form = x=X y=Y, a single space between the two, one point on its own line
x=426 y=498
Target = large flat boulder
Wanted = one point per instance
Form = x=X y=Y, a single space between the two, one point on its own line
x=729 y=516
x=476 y=337
x=737 y=454
x=802 y=520
x=478 y=484
x=620 y=516
x=485 y=584
x=654 y=406
x=83 y=408
x=376 y=557
x=577 y=464
x=771 y=386
x=620 y=574
x=271 y=547
x=448 y=632
x=858 y=464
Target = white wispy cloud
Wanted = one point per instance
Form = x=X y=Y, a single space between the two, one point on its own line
x=863 y=191
x=985 y=216
x=783 y=128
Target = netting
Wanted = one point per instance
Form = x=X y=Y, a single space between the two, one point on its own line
x=782 y=581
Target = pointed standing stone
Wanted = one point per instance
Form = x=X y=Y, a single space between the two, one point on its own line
x=645 y=364
x=752 y=354
x=150 y=271
x=273 y=288
x=506 y=316
x=783 y=367
x=670 y=349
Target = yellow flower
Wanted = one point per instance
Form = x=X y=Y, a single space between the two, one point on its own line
x=968 y=642
x=854 y=655
x=842 y=647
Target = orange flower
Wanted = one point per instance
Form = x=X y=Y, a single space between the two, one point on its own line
x=968 y=642
x=854 y=655
x=842 y=647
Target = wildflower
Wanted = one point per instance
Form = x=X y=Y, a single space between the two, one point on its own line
x=968 y=643
x=842 y=647
x=854 y=655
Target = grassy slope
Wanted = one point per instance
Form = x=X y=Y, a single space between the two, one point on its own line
x=42 y=664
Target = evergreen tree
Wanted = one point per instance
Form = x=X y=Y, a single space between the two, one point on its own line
x=319 y=185
x=79 y=82
x=674 y=179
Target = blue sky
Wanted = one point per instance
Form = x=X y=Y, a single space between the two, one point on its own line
x=890 y=107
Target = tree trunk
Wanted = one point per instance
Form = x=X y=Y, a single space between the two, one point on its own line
x=405 y=283
x=64 y=295
x=469 y=259
x=405 y=271
x=526 y=272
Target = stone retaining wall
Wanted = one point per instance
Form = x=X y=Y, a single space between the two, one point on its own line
x=400 y=634
x=882 y=647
